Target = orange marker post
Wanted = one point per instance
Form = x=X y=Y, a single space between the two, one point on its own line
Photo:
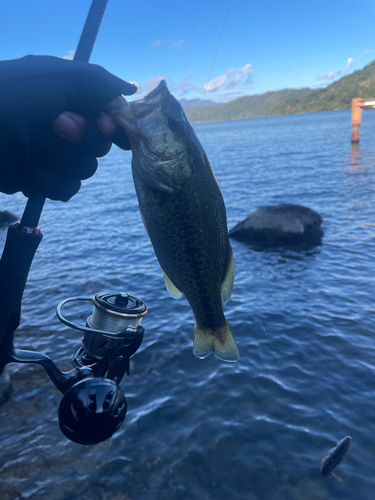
x=356 y=118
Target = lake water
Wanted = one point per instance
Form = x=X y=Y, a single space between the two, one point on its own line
x=304 y=322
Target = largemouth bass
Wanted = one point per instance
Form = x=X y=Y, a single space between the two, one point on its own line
x=183 y=212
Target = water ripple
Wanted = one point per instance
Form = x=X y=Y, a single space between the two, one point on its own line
x=303 y=320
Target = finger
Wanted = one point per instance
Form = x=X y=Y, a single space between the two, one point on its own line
x=55 y=85
x=46 y=67
x=70 y=127
x=110 y=129
x=106 y=124
x=94 y=143
x=87 y=97
x=71 y=160
x=53 y=185
x=49 y=148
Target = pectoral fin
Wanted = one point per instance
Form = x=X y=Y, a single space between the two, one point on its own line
x=227 y=285
x=173 y=290
x=143 y=220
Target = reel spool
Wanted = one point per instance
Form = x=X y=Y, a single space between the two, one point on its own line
x=113 y=325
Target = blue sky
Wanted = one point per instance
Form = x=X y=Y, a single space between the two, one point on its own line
x=265 y=45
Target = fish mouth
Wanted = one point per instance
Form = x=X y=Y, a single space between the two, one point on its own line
x=139 y=118
x=160 y=91
x=136 y=115
x=153 y=100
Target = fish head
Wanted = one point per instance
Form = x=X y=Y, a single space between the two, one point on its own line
x=162 y=125
x=162 y=139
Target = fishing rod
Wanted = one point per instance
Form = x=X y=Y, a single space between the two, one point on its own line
x=35 y=203
x=93 y=406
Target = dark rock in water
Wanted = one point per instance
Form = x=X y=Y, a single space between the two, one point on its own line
x=280 y=225
x=7 y=218
x=5 y=387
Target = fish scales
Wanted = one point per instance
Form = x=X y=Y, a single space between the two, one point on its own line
x=183 y=212
x=181 y=236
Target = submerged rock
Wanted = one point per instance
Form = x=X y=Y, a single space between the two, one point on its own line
x=6 y=218
x=280 y=225
x=5 y=386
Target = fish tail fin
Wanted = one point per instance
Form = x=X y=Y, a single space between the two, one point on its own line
x=221 y=342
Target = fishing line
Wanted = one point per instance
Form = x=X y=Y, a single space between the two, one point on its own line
x=213 y=62
x=279 y=362
x=144 y=277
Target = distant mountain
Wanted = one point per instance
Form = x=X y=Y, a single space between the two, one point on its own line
x=191 y=103
x=243 y=107
x=338 y=95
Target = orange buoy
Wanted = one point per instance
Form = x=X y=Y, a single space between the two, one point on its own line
x=356 y=118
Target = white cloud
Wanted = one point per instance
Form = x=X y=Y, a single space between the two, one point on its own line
x=234 y=83
x=184 y=86
x=70 y=54
x=349 y=63
x=231 y=79
x=137 y=84
x=318 y=85
x=177 y=44
x=231 y=94
x=216 y=83
x=330 y=75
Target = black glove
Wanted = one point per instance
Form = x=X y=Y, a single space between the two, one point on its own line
x=34 y=91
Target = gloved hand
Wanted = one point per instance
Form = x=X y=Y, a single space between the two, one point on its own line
x=34 y=91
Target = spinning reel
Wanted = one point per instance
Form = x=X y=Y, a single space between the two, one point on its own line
x=94 y=405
